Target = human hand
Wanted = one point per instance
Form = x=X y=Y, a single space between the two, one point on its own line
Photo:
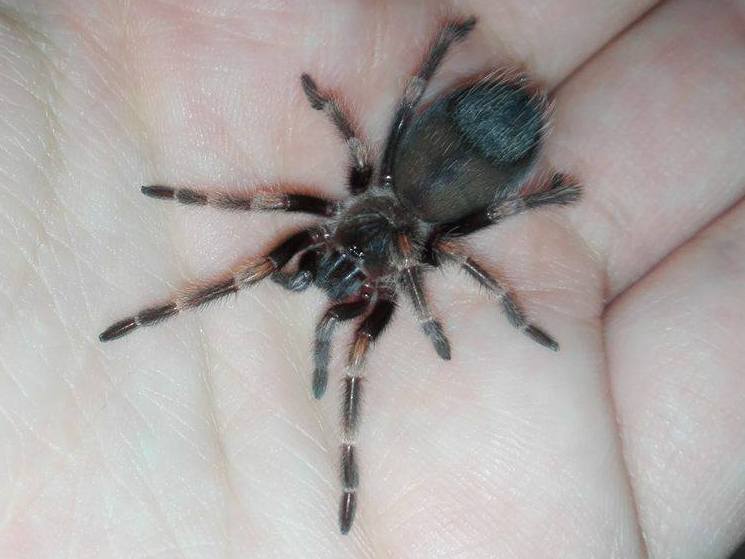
x=200 y=438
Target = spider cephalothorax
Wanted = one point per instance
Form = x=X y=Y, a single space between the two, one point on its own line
x=447 y=170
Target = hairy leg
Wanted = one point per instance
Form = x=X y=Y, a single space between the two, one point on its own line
x=504 y=295
x=192 y=297
x=361 y=171
x=340 y=312
x=367 y=333
x=271 y=201
x=561 y=191
x=449 y=34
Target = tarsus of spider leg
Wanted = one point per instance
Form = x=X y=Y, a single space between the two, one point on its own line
x=247 y=275
x=411 y=283
x=368 y=331
x=515 y=314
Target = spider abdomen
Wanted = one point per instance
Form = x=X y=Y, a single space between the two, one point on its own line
x=467 y=149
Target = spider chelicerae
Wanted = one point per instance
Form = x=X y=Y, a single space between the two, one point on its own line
x=447 y=170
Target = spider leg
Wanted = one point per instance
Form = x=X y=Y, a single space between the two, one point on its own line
x=324 y=331
x=245 y=276
x=271 y=201
x=410 y=276
x=303 y=277
x=512 y=309
x=450 y=33
x=368 y=331
x=361 y=171
x=561 y=191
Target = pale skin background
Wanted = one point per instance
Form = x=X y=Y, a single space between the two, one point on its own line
x=200 y=438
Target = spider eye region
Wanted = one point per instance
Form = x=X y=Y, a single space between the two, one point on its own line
x=356 y=252
x=367 y=237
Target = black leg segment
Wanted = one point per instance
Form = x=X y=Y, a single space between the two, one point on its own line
x=303 y=278
x=340 y=312
x=561 y=191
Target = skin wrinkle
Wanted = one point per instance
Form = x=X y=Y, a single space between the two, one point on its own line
x=53 y=148
x=152 y=504
x=691 y=246
x=321 y=423
x=608 y=385
x=68 y=331
x=182 y=435
x=301 y=374
x=619 y=434
x=691 y=239
x=135 y=99
x=46 y=111
x=87 y=426
x=228 y=478
x=225 y=470
x=66 y=461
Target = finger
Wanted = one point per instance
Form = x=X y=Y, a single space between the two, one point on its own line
x=654 y=127
x=554 y=38
x=676 y=358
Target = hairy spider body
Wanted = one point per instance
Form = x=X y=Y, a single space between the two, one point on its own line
x=469 y=148
x=447 y=170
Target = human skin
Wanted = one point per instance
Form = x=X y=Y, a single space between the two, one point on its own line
x=200 y=438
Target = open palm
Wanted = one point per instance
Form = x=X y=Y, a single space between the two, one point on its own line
x=200 y=438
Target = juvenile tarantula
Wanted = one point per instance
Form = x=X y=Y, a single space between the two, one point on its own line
x=450 y=169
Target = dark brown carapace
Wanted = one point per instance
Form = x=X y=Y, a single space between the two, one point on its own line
x=448 y=169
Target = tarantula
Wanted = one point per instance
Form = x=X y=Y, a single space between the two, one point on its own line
x=447 y=170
